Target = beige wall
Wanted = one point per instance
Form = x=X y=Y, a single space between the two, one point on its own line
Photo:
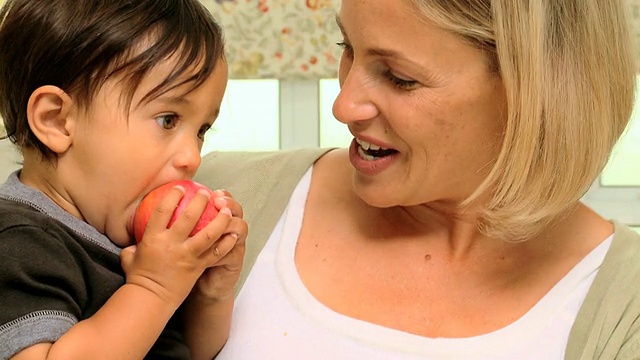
x=8 y=155
x=9 y=158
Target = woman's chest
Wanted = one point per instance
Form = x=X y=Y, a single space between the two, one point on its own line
x=394 y=280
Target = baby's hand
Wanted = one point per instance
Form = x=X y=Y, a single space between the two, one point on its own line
x=218 y=281
x=168 y=262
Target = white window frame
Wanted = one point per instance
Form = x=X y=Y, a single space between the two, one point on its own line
x=299 y=114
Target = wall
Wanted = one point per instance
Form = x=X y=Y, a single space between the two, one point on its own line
x=9 y=158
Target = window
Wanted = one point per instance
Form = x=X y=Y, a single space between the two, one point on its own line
x=616 y=194
x=624 y=167
x=248 y=118
x=332 y=132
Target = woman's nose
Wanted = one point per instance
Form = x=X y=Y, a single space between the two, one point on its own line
x=354 y=102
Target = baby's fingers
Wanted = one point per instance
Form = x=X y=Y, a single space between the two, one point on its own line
x=221 y=248
x=188 y=217
x=238 y=227
x=224 y=199
x=162 y=214
x=207 y=236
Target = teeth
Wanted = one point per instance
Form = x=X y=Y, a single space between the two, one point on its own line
x=365 y=155
x=368 y=146
x=363 y=144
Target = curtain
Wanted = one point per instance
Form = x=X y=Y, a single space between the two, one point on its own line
x=295 y=39
x=284 y=39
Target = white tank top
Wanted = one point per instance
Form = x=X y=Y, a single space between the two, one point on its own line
x=275 y=317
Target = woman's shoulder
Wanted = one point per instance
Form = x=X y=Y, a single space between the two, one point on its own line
x=263 y=183
x=258 y=180
x=333 y=172
x=619 y=273
x=624 y=253
x=221 y=169
x=607 y=321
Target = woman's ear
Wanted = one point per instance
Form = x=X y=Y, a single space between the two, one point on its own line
x=48 y=115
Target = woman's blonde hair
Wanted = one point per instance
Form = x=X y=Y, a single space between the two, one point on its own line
x=569 y=74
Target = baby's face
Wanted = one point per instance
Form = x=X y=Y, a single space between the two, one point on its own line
x=118 y=156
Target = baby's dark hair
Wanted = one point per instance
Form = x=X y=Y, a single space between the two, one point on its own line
x=77 y=45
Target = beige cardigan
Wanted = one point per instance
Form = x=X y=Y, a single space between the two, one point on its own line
x=607 y=326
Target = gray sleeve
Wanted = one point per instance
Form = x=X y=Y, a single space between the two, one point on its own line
x=34 y=328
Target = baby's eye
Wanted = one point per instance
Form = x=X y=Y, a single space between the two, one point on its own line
x=167 y=121
x=203 y=131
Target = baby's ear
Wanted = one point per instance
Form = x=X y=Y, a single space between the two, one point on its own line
x=48 y=115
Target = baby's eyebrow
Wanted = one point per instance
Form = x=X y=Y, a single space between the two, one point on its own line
x=173 y=100
x=179 y=98
x=165 y=99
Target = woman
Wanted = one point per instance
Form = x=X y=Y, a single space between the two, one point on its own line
x=452 y=227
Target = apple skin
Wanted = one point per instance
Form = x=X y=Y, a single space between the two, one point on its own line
x=153 y=198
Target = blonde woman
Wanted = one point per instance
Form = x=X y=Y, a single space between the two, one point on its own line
x=452 y=227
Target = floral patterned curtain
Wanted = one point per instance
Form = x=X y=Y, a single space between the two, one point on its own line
x=285 y=39
x=288 y=39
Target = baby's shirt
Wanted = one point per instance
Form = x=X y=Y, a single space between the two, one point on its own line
x=55 y=270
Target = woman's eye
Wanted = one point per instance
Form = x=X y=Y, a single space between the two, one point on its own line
x=167 y=121
x=399 y=82
x=203 y=131
x=346 y=47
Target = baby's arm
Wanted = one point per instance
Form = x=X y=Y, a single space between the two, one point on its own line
x=124 y=328
x=160 y=273
x=207 y=324
x=208 y=309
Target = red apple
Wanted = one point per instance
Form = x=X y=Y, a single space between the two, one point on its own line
x=153 y=198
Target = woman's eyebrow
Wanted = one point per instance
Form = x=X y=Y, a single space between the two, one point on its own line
x=375 y=51
x=339 y=24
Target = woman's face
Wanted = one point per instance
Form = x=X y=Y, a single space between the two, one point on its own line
x=428 y=99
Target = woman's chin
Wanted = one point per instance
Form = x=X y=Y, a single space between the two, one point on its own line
x=376 y=198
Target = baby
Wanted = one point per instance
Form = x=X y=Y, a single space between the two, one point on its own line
x=106 y=100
